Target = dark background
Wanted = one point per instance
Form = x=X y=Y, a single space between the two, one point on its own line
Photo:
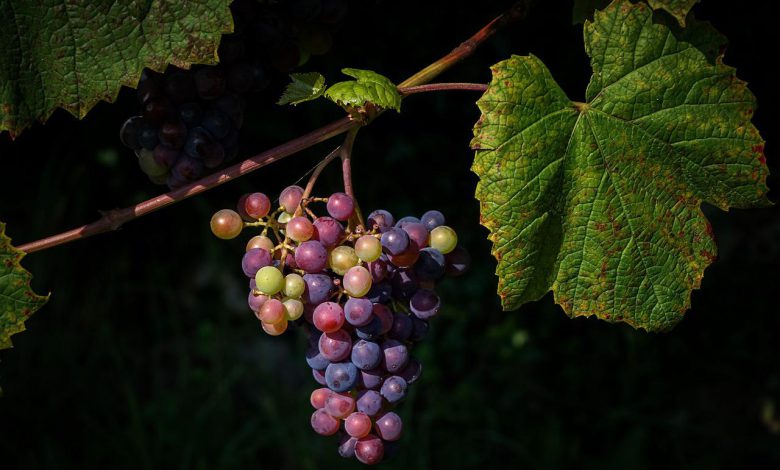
x=147 y=357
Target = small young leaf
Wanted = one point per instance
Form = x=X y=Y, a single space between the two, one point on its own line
x=600 y=201
x=370 y=87
x=677 y=8
x=73 y=54
x=303 y=87
x=17 y=300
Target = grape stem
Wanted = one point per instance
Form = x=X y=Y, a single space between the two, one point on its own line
x=115 y=218
x=346 y=171
x=406 y=91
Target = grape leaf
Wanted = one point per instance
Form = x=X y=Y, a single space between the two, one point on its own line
x=17 y=300
x=600 y=201
x=677 y=8
x=370 y=87
x=303 y=87
x=73 y=54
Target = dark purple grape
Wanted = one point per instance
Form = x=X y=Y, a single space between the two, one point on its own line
x=366 y=355
x=340 y=206
x=403 y=221
x=347 y=446
x=315 y=359
x=217 y=123
x=393 y=389
x=335 y=346
x=380 y=292
x=148 y=136
x=385 y=316
x=389 y=426
x=395 y=241
x=381 y=218
x=341 y=376
x=369 y=402
x=188 y=168
x=213 y=155
x=405 y=284
x=412 y=372
x=311 y=256
x=197 y=140
x=172 y=134
x=430 y=265
x=318 y=289
x=371 y=379
x=165 y=156
x=378 y=269
x=457 y=262
x=190 y=114
x=209 y=82
x=130 y=132
x=358 y=311
x=402 y=326
x=425 y=304
x=179 y=86
x=175 y=181
x=432 y=219
x=328 y=231
x=417 y=233
x=370 y=331
x=396 y=355
x=419 y=329
x=157 y=110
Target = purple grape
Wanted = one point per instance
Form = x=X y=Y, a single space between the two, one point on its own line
x=256 y=301
x=385 y=316
x=147 y=137
x=188 y=168
x=458 y=262
x=130 y=132
x=318 y=289
x=328 y=231
x=405 y=284
x=335 y=346
x=197 y=140
x=412 y=371
x=396 y=355
x=342 y=376
x=393 y=389
x=425 y=304
x=380 y=293
x=417 y=233
x=319 y=376
x=347 y=446
x=419 y=329
x=157 y=110
x=402 y=326
x=213 y=155
x=315 y=359
x=311 y=256
x=232 y=105
x=340 y=206
x=217 y=123
x=382 y=218
x=358 y=311
x=432 y=219
x=371 y=379
x=255 y=259
x=395 y=241
x=366 y=355
x=389 y=426
x=166 y=156
x=190 y=114
x=378 y=269
x=370 y=331
x=403 y=221
x=369 y=402
x=430 y=265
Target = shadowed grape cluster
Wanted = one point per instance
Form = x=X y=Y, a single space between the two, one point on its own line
x=190 y=119
x=364 y=296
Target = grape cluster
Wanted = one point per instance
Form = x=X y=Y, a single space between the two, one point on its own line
x=364 y=297
x=190 y=119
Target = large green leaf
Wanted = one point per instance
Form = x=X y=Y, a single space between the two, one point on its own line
x=677 y=8
x=600 y=201
x=17 y=300
x=73 y=54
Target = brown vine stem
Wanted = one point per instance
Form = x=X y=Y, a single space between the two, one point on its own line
x=406 y=91
x=113 y=219
x=346 y=171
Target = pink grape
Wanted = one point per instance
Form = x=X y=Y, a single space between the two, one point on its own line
x=323 y=423
x=328 y=317
x=226 y=224
x=357 y=425
x=369 y=450
x=340 y=206
x=335 y=346
x=273 y=312
x=319 y=397
x=299 y=229
x=339 y=405
x=290 y=198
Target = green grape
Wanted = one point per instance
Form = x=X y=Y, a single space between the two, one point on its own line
x=342 y=258
x=294 y=286
x=294 y=308
x=444 y=239
x=226 y=224
x=284 y=217
x=357 y=281
x=149 y=165
x=368 y=248
x=269 y=280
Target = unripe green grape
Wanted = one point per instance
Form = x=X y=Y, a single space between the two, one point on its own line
x=269 y=280
x=294 y=308
x=444 y=239
x=357 y=281
x=284 y=217
x=226 y=224
x=260 y=241
x=342 y=258
x=294 y=285
x=368 y=248
x=149 y=165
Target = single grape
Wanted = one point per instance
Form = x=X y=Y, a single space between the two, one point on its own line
x=315 y=359
x=213 y=154
x=432 y=219
x=188 y=168
x=341 y=376
x=389 y=426
x=166 y=156
x=294 y=285
x=253 y=260
x=425 y=304
x=402 y=326
x=358 y=311
x=408 y=257
x=311 y=256
x=366 y=355
x=299 y=229
x=335 y=346
x=396 y=355
x=254 y=205
x=327 y=231
x=318 y=288
x=347 y=446
x=357 y=424
x=226 y=224
x=394 y=241
x=197 y=141
x=341 y=259
x=269 y=280
x=430 y=265
x=328 y=317
x=393 y=389
x=340 y=206
x=458 y=262
x=357 y=281
x=369 y=402
x=340 y=405
x=324 y=424
x=318 y=375
x=378 y=269
x=294 y=308
x=290 y=198
x=232 y=105
x=273 y=312
x=412 y=372
x=369 y=450
x=256 y=301
x=444 y=239
x=385 y=317
x=284 y=217
x=130 y=131
x=371 y=379
x=319 y=397
x=404 y=221
x=381 y=218
x=417 y=232
x=260 y=241
x=405 y=284
x=173 y=134
x=157 y=109
x=149 y=165
x=368 y=248
x=275 y=329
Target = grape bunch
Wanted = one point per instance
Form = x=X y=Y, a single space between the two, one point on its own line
x=190 y=119
x=364 y=296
